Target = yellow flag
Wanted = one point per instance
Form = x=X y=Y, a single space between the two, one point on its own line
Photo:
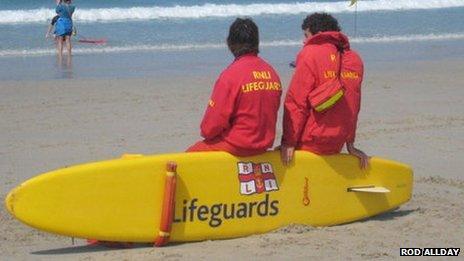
x=353 y=2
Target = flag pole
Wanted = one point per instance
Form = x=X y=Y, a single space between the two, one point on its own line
x=355 y=3
x=356 y=19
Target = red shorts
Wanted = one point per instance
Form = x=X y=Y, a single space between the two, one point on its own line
x=219 y=145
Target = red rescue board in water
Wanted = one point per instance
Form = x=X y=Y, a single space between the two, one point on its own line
x=93 y=41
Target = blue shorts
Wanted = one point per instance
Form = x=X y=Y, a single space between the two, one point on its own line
x=63 y=27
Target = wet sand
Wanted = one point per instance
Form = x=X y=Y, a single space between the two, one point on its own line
x=411 y=112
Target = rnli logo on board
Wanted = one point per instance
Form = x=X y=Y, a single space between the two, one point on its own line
x=256 y=178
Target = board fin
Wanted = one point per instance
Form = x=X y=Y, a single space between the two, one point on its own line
x=368 y=189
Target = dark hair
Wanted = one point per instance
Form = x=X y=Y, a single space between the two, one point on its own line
x=243 y=37
x=320 y=22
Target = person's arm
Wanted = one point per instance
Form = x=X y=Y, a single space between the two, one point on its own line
x=220 y=107
x=49 y=31
x=356 y=108
x=296 y=108
x=363 y=158
x=51 y=25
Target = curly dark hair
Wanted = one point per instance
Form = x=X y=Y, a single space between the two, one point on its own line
x=243 y=37
x=320 y=22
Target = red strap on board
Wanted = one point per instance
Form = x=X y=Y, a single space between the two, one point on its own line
x=167 y=213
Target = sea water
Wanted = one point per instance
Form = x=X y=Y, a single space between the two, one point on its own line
x=151 y=38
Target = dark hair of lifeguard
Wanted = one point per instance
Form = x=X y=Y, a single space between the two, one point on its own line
x=243 y=37
x=320 y=22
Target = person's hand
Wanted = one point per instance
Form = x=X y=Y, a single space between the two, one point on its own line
x=363 y=158
x=47 y=35
x=286 y=154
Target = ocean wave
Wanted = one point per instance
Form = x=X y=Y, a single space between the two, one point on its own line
x=208 y=46
x=217 y=10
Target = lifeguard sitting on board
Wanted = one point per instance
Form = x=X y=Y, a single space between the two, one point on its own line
x=242 y=111
x=326 y=60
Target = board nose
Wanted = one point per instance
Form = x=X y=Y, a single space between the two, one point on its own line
x=9 y=201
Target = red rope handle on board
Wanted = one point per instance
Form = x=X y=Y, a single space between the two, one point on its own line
x=167 y=214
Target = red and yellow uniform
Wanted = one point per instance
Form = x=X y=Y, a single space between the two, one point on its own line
x=323 y=132
x=242 y=111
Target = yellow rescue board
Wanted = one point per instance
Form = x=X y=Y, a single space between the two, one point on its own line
x=218 y=195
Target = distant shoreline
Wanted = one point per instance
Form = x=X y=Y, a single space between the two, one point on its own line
x=207 y=61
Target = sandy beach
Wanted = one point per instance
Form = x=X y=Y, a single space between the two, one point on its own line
x=411 y=112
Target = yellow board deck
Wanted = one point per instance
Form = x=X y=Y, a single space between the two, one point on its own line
x=218 y=195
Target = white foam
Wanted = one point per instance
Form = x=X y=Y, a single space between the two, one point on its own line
x=381 y=39
x=208 y=46
x=112 y=49
x=409 y=38
x=215 y=10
